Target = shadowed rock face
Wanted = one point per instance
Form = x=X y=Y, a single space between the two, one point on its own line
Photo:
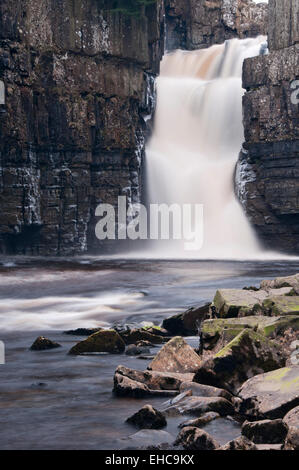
x=78 y=82
x=196 y=24
x=268 y=170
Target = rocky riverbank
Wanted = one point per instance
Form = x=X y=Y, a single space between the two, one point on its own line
x=245 y=369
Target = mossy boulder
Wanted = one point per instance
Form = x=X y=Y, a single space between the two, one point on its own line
x=186 y=323
x=271 y=395
x=176 y=356
x=108 y=341
x=248 y=354
x=41 y=344
x=228 y=328
x=135 y=335
x=281 y=305
x=231 y=303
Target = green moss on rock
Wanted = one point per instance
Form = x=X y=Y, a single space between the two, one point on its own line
x=108 y=341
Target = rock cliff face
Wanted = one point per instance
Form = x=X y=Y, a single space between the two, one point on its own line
x=268 y=170
x=76 y=82
x=196 y=24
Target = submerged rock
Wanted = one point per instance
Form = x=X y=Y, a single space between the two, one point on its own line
x=148 y=418
x=241 y=443
x=107 y=341
x=141 y=440
x=134 y=350
x=41 y=343
x=266 y=431
x=186 y=323
x=271 y=395
x=246 y=355
x=192 y=438
x=82 y=331
x=176 y=356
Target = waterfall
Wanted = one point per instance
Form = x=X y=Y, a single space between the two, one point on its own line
x=197 y=136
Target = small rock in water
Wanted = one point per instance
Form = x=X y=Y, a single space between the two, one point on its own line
x=41 y=343
x=148 y=418
x=134 y=350
x=192 y=438
x=82 y=331
x=107 y=341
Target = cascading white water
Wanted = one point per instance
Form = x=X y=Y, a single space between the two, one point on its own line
x=198 y=133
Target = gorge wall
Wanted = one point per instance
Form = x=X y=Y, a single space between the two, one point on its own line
x=196 y=24
x=76 y=82
x=268 y=170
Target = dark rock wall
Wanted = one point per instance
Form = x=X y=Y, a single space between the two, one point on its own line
x=196 y=24
x=75 y=85
x=268 y=171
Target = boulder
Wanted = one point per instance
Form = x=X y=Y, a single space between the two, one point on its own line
x=294 y=345
x=201 y=421
x=230 y=303
x=135 y=335
x=192 y=438
x=292 y=439
x=266 y=431
x=148 y=418
x=214 y=330
x=271 y=395
x=130 y=382
x=197 y=406
x=176 y=356
x=280 y=305
x=281 y=282
x=241 y=443
x=200 y=390
x=186 y=323
x=248 y=354
x=292 y=418
x=107 y=341
x=41 y=344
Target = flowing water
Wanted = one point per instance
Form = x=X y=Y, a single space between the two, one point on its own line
x=198 y=134
x=49 y=400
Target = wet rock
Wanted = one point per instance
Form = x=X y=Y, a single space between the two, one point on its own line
x=246 y=355
x=241 y=443
x=291 y=419
x=271 y=395
x=292 y=439
x=128 y=382
x=201 y=421
x=266 y=431
x=41 y=343
x=198 y=406
x=140 y=440
x=108 y=341
x=134 y=350
x=148 y=418
x=135 y=335
x=186 y=323
x=192 y=438
x=176 y=356
x=200 y=390
x=82 y=331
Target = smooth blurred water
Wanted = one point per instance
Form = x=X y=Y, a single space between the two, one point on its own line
x=74 y=407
